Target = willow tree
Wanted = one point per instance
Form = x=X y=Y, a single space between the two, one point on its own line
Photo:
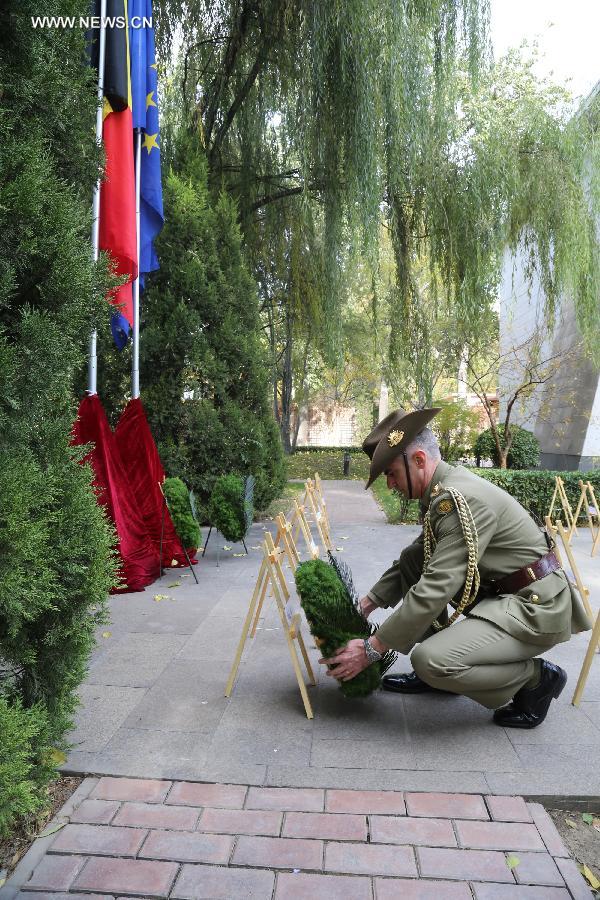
x=366 y=110
x=329 y=101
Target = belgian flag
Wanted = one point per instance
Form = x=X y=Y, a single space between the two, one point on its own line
x=117 y=192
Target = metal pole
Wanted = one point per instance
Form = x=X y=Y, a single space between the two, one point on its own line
x=135 y=361
x=92 y=361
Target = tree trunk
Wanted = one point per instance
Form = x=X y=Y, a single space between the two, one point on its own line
x=303 y=401
x=286 y=385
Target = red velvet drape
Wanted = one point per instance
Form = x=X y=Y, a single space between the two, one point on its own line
x=144 y=472
x=139 y=559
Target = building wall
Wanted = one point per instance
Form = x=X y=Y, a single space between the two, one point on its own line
x=328 y=425
x=564 y=414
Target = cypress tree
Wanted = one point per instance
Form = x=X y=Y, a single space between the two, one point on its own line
x=55 y=559
x=203 y=367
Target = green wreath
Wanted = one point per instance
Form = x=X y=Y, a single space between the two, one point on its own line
x=329 y=600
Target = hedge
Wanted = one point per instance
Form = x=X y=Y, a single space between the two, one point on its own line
x=329 y=463
x=534 y=488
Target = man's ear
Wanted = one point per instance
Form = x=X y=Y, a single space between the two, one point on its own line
x=420 y=459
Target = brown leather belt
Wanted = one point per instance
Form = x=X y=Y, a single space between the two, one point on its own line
x=516 y=581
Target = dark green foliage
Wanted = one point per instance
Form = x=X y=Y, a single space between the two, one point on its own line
x=55 y=560
x=524 y=452
x=22 y=733
x=534 y=489
x=334 y=620
x=201 y=339
x=226 y=507
x=180 y=508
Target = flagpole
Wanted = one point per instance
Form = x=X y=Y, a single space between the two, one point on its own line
x=135 y=361
x=93 y=361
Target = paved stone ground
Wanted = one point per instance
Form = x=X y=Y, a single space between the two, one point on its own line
x=124 y=837
x=153 y=703
x=247 y=798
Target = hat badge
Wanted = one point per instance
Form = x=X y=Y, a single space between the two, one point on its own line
x=395 y=437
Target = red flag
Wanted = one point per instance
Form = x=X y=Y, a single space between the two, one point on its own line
x=117 y=193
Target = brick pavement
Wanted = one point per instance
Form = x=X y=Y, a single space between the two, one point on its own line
x=150 y=838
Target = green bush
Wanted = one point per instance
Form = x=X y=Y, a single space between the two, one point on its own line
x=334 y=620
x=56 y=566
x=22 y=754
x=533 y=489
x=226 y=507
x=181 y=512
x=524 y=452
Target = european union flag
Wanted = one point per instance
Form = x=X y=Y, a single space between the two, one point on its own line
x=145 y=116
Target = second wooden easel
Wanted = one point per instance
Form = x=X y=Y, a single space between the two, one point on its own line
x=560 y=532
x=561 y=495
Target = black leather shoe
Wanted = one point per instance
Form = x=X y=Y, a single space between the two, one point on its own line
x=409 y=683
x=529 y=707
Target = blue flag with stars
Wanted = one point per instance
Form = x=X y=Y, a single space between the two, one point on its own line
x=145 y=116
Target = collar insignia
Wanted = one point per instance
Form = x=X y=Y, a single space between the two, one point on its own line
x=395 y=437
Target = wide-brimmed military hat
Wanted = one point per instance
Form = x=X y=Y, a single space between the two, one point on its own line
x=392 y=435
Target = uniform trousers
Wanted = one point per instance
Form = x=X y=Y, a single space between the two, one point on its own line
x=478 y=659
x=473 y=657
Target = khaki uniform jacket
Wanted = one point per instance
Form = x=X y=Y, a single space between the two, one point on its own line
x=548 y=610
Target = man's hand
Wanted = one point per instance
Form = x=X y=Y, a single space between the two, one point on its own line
x=348 y=661
x=366 y=606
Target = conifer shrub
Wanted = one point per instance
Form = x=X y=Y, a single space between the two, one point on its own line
x=180 y=508
x=204 y=365
x=334 y=619
x=226 y=507
x=21 y=760
x=56 y=564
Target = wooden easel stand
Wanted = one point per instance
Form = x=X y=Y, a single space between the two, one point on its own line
x=561 y=494
x=271 y=575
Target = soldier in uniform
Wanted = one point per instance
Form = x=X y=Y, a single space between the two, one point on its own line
x=482 y=553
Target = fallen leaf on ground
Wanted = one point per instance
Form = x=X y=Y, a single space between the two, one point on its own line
x=512 y=862
x=258 y=547
x=587 y=818
x=174 y=584
x=590 y=877
x=343 y=537
x=57 y=756
x=571 y=823
x=339 y=549
x=225 y=547
x=106 y=634
x=159 y=597
x=239 y=554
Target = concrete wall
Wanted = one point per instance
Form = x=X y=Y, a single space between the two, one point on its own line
x=565 y=413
